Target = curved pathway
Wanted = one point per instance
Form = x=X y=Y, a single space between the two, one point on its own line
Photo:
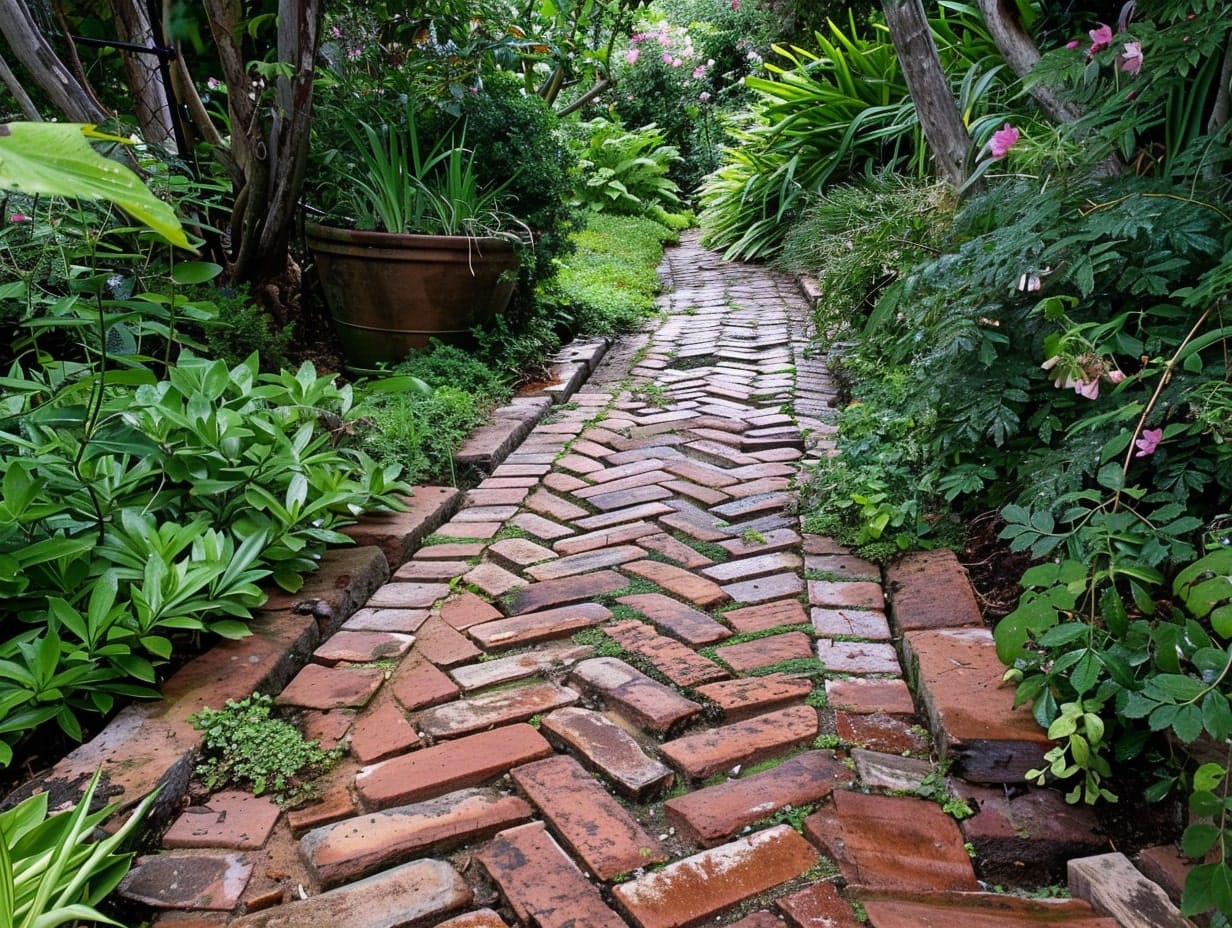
x=620 y=686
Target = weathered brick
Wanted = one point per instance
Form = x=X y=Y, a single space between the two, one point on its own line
x=674 y=550
x=350 y=849
x=857 y=694
x=746 y=696
x=552 y=506
x=466 y=609
x=676 y=619
x=860 y=657
x=515 y=553
x=464 y=716
x=764 y=652
x=530 y=627
x=697 y=888
x=765 y=589
x=851 y=623
x=603 y=537
x=519 y=666
x=493 y=579
x=401 y=621
x=408 y=595
x=317 y=687
x=417 y=683
x=362 y=647
x=945 y=910
x=380 y=732
x=589 y=821
x=586 y=561
x=854 y=594
x=480 y=918
x=749 y=568
x=541 y=528
x=719 y=749
x=607 y=748
x=230 y=819
x=765 y=616
x=930 y=589
x=542 y=885
x=549 y=593
x=620 y=516
x=210 y=881
x=880 y=732
x=682 y=665
x=449 y=766
x=431 y=571
x=644 y=701
x=697 y=590
x=443 y=645
x=712 y=815
x=333 y=805
x=818 y=906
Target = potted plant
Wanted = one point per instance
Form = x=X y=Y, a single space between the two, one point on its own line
x=429 y=254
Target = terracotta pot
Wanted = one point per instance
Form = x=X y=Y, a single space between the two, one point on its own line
x=391 y=293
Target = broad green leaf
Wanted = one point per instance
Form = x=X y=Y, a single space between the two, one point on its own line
x=56 y=159
x=194 y=272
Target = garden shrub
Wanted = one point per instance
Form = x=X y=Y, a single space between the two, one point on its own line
x=624 y=172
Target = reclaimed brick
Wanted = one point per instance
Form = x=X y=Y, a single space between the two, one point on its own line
x=531 y=627
x=230 y=819
x=854 y=594
x=697 y=888
x=477 y=713
x=851 y=623
x=480 y=918
x=408 y=595
x=858 y=694
x=317 y=687
x=859 y=657
x=879 y=732
x=749 y=568
x=541 y=528
x=605 y=747
x=493 y=579
x=351 y=849
x=680 y=664
x=441 y=571
x=716 y=750
x=552 y=506
x=380 y=732
x=764 y=652
x=714 y=814
x=892 y=772
x=746 y=696
x=930 y=589
x=764 y=616
x=518 y=666
x=333 y=805
x=543 y=886
x=642 y=700
x=995 y=910
x=516 y=553
x=765 y=589
x=620 y=516
x=620 y=534
x=210 y=881
x=442 y=645
x=676 y=619
x=697 y=590
x=846 y=566
x=818 y=906
x=580 y=589
x=586 y=561
x=400 y=621
x=638 y=481
x=361 y=647
x=466 y=609
x=674 y=550
x=418 y=683
x=449 y=766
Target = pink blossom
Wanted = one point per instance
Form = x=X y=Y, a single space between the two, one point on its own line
x=1003 y=140
x=1074 y=44
x=1087 y=388
x=213 y=83
x=699 y=72
x=1101 y=38
x=354 y=53
x=1116 y=375
x=335 y=32
x=704 y=96
x=1148 y=442
x=1131 y=57
x=667 y=58
x=735 y=4
x=632 y=55
x=19 y=217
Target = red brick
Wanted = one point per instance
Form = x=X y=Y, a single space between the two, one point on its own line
x=431 y=571
x=586 y=561
x=589 y=821
x=674 y=550
x=705 y=495
x=563 y=483
x=930 y=589
x=443 y=645
x=541 y=528
x=765 y=485
x=350 y=849
x=497 y=496
x=464 y=529
x=493 y=579
x=504 y=670
x=552 y=506
x=620 y=516
x=327 y=727
x=749 y=568
x=644 y=701
x=981 y=910
x=539 y=596
x=716 y=453
x=230 y=819
x=682 y=665
x=704 y=474
x=892 y=843
x=418 y=683
x=712 y=815
x=752 y=506
x=542 y=885
x=521 y=470
x=823 y=544
x=759 y=920
x=844 y=565
x=604 y=537
x=382 y=732
x=880 y=732
x=607 y=748
x=714 y=751
x=855 y=594
x=214 y=882
x=765 y=616
x=333 y=805
x=862 y=695
x=397 y=534
x=818 y=906
x=697 y=888
x=695 y=589
x=361 y=647
x=515 y=553
x=467 y=609
x=647 y=478
x=851 y=623
x=402 y=621
x=860 y=657
x=676 y=619
x=480 y=918
x=530 y=627
x=620 y=499
x=579 y=464
x=477 y=713
x=764 y=589
x=408 y=595
x=317 y=687
x=450 y=551
x=449 y=766
x=694 y=522
x=763 y=652
x=748 y=696
x=422 y=892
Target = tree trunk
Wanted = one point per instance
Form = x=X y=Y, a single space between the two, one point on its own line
x=1021 y=55
x=28 y=109
x=930 y=91
x=28 y=45
x=151 y=105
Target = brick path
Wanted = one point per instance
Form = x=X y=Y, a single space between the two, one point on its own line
x=607 y=689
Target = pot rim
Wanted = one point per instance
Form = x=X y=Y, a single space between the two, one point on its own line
x=410 y=239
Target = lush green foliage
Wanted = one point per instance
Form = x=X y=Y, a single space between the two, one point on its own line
x=244 y=745
x=610 y=282
x=625 y=172
x=51 y=871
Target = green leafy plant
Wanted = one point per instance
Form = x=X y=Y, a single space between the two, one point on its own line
x=51 y=871
x=245 y=746
x=625 y=172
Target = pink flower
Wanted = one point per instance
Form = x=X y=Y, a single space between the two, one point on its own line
x=1148 y=442
x=1100 y=38
x=335 y=32
x=1074 y=44
x=19 y=217
x=1003 y=140
x=735 y=4
x=632 y=55
x=1115 y=376
x=1087 y=388
x=699 y=72
x=213 y=83
x=704 y=96
x=1131 y=57
x=667 y=59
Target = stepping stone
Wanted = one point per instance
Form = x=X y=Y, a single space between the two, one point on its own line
x=892 y=843
x=765 y=652
x=586 y=561
x=532 y=627
x=421 y=892
x=478 y=713
x=981 y=910
x=765 y=616
x=362 y=647
x=970 y=712
x=697 y=888
x=317 y=687
x=676 y=619
x=720 y=749
x=590 y=822
x=350 y=849
x=449 y=766
x=712 y=815
x=645 y=702
x=401 y=621
x=932 y=590
x=607 y=748
x=747 y=696
x=749 y=568
x=764 y=589
x=687 y=585
x=581 y=588
x=230 y=819
x=542 y=885
x=518 y=666
x=212 y=882
x=681 y=665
